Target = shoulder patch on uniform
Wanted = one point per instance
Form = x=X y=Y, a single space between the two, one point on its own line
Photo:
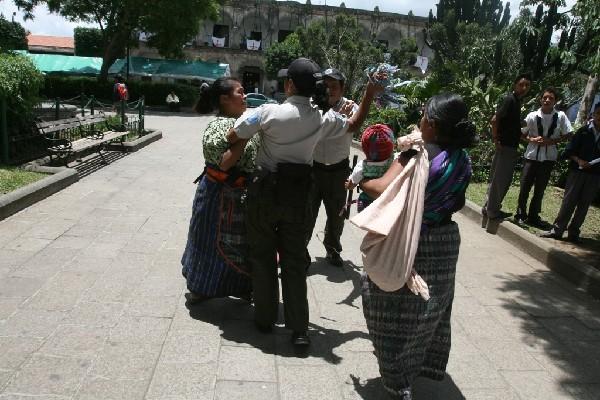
x=253 y=118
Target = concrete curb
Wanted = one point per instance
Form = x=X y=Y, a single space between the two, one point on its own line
x=582 y=275
x=130 y=147
x=17 y=200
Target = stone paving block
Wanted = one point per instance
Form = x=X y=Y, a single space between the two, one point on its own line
x=201 y=316
x=161 y=286
x=308 y=383
x=75 y=341
x=19 y=287
x=479 y=328
x=191 y=347
x=9 y=305
x=5 y=375
x=246 y=364
x=45 y=375
x=140 y=329
x=113 y=287
x=240 y=390
x=102 y=250
x=507 y=355
x=126 y=361
x=152 y=306
x=71 y=242
x=183 y=381
x=468 y=307
x=44 y=264
x=94 y=314
x=490 y=394
x=14 y=351
x=536 y=385
x=569 y=329
x=49 y=229
x=101 y=388
x=473 y=371
x=27 y=244
x=86 y=264
x=510 y=314
x=357 y=368
x=53 y=297
x=32 y=323
x=566 y=366
x=86 y=230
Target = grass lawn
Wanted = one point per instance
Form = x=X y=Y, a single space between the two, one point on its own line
x=12 y=178
x=550 y=206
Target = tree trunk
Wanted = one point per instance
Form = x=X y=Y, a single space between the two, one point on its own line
x=112 y=50
x=588 y=97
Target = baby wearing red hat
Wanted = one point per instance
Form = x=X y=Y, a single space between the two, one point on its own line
x=378 y=145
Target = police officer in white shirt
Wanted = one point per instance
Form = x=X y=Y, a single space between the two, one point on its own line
x=545 y=128
x=330 y=171
x=278 y=211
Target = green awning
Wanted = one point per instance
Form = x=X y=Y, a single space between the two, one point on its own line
x=177 y=69
x=57 y=63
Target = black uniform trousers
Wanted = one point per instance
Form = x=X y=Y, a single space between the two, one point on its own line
x=328 y=187
x=278 y=218
x=580 y=190
x=535 y=174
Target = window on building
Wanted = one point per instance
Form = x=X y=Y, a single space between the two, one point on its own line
x=256 y=43
x=283 y=34
x=222 y=31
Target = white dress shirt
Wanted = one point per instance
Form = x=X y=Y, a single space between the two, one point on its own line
x=332 y=151
x=539 y=152
x=289 y=131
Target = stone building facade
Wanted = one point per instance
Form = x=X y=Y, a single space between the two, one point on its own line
x=271 y=21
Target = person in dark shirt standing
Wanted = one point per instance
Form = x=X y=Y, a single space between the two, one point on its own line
x=583 y=181
x=506 y=134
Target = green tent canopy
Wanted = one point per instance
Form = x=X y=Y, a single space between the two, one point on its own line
x=176 y=69
x=57 y=63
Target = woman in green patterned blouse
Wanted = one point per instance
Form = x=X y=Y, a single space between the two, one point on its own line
x=214 y=259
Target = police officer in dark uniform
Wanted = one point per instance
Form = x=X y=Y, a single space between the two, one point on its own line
x=279 y=214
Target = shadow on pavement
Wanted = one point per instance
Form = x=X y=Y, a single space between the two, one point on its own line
x=235 y=319
x=423 y=389
x=559 y=325
x=348 y=272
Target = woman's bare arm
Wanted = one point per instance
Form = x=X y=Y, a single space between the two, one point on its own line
x=375 y=187
x=232 y=155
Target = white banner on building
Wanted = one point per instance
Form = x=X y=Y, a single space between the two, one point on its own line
x=218 y=42
x=252 y=44
x=422 y=63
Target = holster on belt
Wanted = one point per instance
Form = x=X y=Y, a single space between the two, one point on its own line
x=293 y=184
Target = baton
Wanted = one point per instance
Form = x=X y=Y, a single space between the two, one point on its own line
x=350 y=192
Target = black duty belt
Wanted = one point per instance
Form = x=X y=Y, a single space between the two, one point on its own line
x=344 y=164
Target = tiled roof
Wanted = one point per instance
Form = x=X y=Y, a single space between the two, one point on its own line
x=62 y=42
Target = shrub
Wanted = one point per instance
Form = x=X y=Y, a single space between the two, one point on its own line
x=20 y=82
x=154 y=93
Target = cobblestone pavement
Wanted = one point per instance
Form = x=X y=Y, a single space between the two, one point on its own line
x=92 y=306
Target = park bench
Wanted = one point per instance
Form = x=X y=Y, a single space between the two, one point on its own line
x=65 y=137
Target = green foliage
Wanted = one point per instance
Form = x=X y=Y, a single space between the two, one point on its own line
x=12 y=178
x=20 y=82
x=88 y=42
x=393 y=117
x=340 y=45
x=170 y=23
x=406 y=53
x=12 y=35
x=154 y=93
x=281 y=54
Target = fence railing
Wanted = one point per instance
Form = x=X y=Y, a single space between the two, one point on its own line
x=25 y=146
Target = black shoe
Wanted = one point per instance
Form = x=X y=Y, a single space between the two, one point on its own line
x=334 y=259
x=534 y=221
x=551 y=234
x=300 y=339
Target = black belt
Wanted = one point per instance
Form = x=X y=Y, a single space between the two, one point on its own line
x=344 y=164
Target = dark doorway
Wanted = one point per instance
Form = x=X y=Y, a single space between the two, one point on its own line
x=251 y=79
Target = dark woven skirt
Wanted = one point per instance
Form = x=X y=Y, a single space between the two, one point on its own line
x=411 y=336
x=214 y=257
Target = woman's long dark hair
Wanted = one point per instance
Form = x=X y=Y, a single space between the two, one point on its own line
x=210 y=95
x=452 y=125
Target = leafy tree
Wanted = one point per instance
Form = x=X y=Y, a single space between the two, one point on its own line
x=406 y=53
x=281 y=54
x=12 y=35
x=88 y=42
x=170 y=23
x=340 y=46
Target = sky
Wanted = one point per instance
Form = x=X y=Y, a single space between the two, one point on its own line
x=51 y=24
